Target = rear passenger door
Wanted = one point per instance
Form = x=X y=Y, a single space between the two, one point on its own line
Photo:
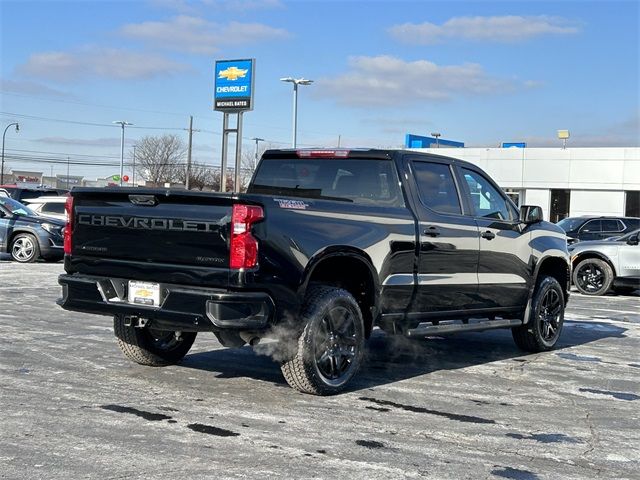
x=448 y=240
x=504 y=272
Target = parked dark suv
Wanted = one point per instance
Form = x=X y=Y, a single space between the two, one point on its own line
x=27 y=236
x=597 y=228
x=24 y=193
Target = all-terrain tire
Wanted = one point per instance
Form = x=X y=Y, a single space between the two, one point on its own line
x=593 y=276
x=25 y=248
x=546 y=318
x=155 y=348
x=331 y=345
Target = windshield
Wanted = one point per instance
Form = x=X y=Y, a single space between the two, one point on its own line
x=571 y=224
x=372 y=182
x=16 y=208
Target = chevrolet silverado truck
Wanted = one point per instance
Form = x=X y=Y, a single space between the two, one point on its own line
x=324 y=246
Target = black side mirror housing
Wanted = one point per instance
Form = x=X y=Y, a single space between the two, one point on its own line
x=633 y=240
x=530 y=214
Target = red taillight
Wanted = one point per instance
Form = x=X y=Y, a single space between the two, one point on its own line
x=68 y=229
x=244 y=247
x=322 y=153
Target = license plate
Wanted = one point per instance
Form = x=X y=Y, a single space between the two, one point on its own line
x=144 y=293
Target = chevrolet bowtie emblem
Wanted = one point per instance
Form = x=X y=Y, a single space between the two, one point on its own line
x=232 y=73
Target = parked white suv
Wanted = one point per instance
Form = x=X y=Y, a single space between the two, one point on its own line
x=600 y=265
x=48 y=206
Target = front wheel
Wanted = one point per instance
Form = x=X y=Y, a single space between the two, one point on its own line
x=330 y=348
x=543 y=329
x=25 y=248
x=593 y=277
x=149 y=346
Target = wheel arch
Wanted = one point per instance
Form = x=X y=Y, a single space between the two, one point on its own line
x=351 y=269
x=558 y=268
x=575 y=260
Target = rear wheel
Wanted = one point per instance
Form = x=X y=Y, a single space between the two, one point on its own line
x=330 y=348
x=25 y=248
x=148 y=346
x=593 y=276
x=543 y=329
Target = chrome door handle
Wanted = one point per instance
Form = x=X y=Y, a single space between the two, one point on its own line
x=431 y=231
x=488 y=235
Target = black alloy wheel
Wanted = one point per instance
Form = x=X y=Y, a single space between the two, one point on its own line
x=549 y=314
x=593 y=277
x=546 y=318
x=330 y=348
x=335 y=343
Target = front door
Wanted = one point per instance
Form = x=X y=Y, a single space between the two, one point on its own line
x=504 y=271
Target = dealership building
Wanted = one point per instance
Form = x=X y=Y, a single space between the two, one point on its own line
x=563 y=181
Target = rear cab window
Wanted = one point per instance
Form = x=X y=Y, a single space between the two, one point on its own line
x=359 y=181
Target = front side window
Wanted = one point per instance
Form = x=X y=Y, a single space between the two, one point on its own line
x=436 y=187
x=592 y=226
x=485 y=199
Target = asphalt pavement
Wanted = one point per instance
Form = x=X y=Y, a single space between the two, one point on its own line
x=470 y=406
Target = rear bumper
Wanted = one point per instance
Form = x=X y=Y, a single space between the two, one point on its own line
x=182 y=307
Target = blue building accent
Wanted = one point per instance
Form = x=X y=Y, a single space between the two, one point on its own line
x=418 y=141
x=514 y=145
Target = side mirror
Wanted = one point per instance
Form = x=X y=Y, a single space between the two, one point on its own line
x=633 y=240
x=530 y=214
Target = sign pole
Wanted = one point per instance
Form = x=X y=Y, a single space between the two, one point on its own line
x=236 y=184
x=225 y=147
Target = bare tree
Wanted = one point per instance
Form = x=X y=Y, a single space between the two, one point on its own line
x=160 y=159
x=200 y=176
x=249 y=163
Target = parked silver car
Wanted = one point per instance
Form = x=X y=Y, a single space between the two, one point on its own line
x=601 y=265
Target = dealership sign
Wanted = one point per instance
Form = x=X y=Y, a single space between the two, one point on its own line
x=234 y=85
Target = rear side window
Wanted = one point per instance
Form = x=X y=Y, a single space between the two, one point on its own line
x=436 y=187
x=612 y=226
x=368 y=182
x=53 y=208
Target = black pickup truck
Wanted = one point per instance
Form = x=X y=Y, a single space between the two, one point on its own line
x=324 y=246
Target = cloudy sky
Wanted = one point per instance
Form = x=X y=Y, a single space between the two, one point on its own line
x=478 y=72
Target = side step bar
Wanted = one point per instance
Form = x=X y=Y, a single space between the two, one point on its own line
x=426 y=330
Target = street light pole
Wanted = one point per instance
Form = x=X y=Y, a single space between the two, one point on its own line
x=3 y=135
x=133 y=174
x=437 y=136
x=122 y=123
x=255 y=157
x=296 y=82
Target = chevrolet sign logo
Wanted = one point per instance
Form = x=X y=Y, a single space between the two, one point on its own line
x=233 y=73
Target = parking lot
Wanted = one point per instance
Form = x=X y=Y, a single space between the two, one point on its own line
x=469 y=406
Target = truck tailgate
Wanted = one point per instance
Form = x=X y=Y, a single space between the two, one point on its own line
x=152 y=227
